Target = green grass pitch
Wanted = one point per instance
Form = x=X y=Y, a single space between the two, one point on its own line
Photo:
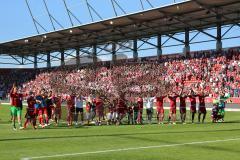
x=146 y=142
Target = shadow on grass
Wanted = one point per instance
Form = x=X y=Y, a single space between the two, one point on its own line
x=121 y=135
x=219 y=149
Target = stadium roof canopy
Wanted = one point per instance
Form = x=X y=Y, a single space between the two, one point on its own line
x=191 y=14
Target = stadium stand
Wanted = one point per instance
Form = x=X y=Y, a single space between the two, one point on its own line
x=212 y=70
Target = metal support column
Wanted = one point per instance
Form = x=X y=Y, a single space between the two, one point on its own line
x=219 y=34
x=78 y=57
x=35 y=61
x=62 y=58
x=135 y=50
x=186 y=49
x=94 y=53
x=114 y=56
x=48 y=60
x=159 y=47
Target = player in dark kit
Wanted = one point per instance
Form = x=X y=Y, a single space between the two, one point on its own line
x=183 y=110
x=57 y=111
x=30 y=114
x=121 y=109
x=140 y=110
x=202 y=107
x=192 y=97
x=50 y=107
x=130 y=112
x=135 y=111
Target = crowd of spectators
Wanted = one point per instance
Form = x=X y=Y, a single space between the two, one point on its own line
x=209 y=70
x=10 y=76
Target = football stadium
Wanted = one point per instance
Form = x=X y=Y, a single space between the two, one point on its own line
x=120 y=79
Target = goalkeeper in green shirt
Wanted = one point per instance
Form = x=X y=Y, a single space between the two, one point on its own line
x=222 y=99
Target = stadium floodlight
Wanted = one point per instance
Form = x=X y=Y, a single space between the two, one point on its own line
x=45 y=36
x=178 y=7
x=70 y=31
x=26 y=40
x=111 y=22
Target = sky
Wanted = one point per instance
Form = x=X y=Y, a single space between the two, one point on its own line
x=16 y=22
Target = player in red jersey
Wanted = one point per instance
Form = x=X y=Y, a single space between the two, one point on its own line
x=192 y=97
x=50 y=106
x=70 y=108
x=88 y=110
x=93 y=108
x=172 y=96
x=115 y=114
x=30 y=115
x=202 y=107
x=57 y=111
x=140 y=110
x=182 y=106
x=160 y=109
x=121 y=109
x=130 y=111
x=109 y=111
x=99 y=110
x=38 y=107
x=16 y=104
x=135 y=110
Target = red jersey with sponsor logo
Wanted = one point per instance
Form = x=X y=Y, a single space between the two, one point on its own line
x=121 y=106
x=88 y=107
x=99 y=103
x=71 y=101
x=159 y=101
x=192 y=100
x=57 y=101
x=31 y=102
x=16 y=99
x=121 y=103
x=201 y=100
x=173 y=100
x=94 y=101
x=140 y=103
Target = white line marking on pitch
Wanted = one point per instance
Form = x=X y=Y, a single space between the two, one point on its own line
x=127 y=149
